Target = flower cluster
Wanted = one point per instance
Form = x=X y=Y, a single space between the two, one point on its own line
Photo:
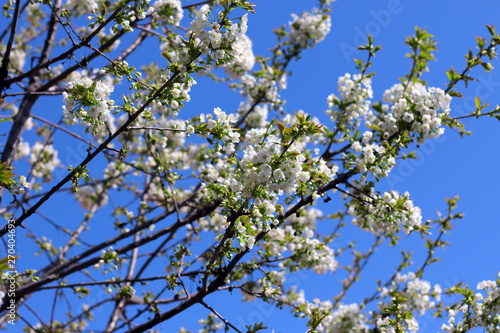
x=346 y=318
x=309 y=28
x=317 y=309
x=263 y=87
x=244 y=60
x=177 y=96
x=271 y=284
x=343 y=319
x=79 y=7
x=480 y=310
x=257 y=118
x=139 y=10
x=18 y=185
x=44 y=160
x=262 y=165
x=45 y=246
x=307 y=250
x=88 y=102
x=18 y=58
x=373 y=158
x=354 y=104
x=221 y=45
x=220 y=127
x=385 y=214
x=415 y=108
x=110 y=258
x=22 y=150
x=417 y=293
x=168 y=12
x=385 y=326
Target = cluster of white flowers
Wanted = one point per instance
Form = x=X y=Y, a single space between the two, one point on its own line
x=412 y=325
x=309 y=252
x=257 y=118
x=385 y=214
x=264 y=88
x=325 y=306
x=370 y=154
x=306 y=218
x=168 y=12
x=222 y=127
x=418 y=293
x=178 y=95
x=244 y=60
x=44 y=160
x=33 y=11
x=22 y=150
x=354 y=92
x=417 y=108
x=93 y=95
x=224 y=45
x=384 y=325
x=483 y=312
x=46 y=246
x=24 y=182
x=216 y=222
x=271 y=283
x=218 y=172
x=309 y=28
x=346 y=318
x=111 y=259
x=18 y=57
x=139 y=10
x=268 y=167
x=79 y=7
x=20 y=186
x=262 y=167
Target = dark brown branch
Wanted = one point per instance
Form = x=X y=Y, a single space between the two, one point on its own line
x=4 y=70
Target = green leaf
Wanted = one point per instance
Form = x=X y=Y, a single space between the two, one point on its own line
x=249 y=7
x=455 y=94
x=6 y=175
x=491 y=29
x=103 y=9
x=3 y=264
x=255 y=328
x=487 y=66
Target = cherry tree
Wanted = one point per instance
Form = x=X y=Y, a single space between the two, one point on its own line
x=169 y=210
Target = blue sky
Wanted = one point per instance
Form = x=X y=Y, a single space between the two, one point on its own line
x=448 y=166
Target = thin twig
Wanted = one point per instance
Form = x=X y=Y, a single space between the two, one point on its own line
x=220 y=317
x=48 y=122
